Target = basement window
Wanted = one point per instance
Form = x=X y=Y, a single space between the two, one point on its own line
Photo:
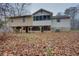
x=58 y=20
x=57 y=30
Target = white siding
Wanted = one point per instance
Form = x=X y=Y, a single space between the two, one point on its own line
x=64 y=23
x=77 y=16
x=19 y=22
x=42 y=23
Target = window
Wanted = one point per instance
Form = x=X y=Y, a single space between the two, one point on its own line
x=58 y=20
x=44 y=17
x=37 y=17
x=40 y=17
x=48 y=17
x=23 y=19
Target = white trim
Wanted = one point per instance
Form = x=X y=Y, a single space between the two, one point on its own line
x=42 y=23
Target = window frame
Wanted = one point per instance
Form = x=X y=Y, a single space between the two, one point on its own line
x=41 y=17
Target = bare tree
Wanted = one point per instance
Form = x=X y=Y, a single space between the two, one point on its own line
x=4 y=9
x=13 y=9
x=19 y=8
x=72 y=12
x=9 y=9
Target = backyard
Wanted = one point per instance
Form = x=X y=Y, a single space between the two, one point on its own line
x=39 y=44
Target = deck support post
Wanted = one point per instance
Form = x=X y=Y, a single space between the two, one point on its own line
x=30 y=29
x=40 y=28
x=21 y=30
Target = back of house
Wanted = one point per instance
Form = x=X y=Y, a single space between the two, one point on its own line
x=41 y=20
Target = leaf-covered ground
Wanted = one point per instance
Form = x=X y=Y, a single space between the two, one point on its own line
x=40 y=44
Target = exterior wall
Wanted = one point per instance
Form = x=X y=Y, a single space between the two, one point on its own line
x=63 y=25
x=19 y=22
x=42 y=23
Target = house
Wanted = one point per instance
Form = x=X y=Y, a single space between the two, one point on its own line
x=61 y=23
x=41 y=20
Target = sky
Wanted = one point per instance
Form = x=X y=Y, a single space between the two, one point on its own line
x=52 y=7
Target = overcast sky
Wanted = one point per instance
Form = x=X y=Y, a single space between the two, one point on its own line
x=53 y=7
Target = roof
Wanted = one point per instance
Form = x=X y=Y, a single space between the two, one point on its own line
x=61 y=17
x=29 y=15
x=43 y=10
x=19 y=16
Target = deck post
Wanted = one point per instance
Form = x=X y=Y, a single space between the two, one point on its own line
x=21 y=30
x=30 y=28
x=40 y=28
